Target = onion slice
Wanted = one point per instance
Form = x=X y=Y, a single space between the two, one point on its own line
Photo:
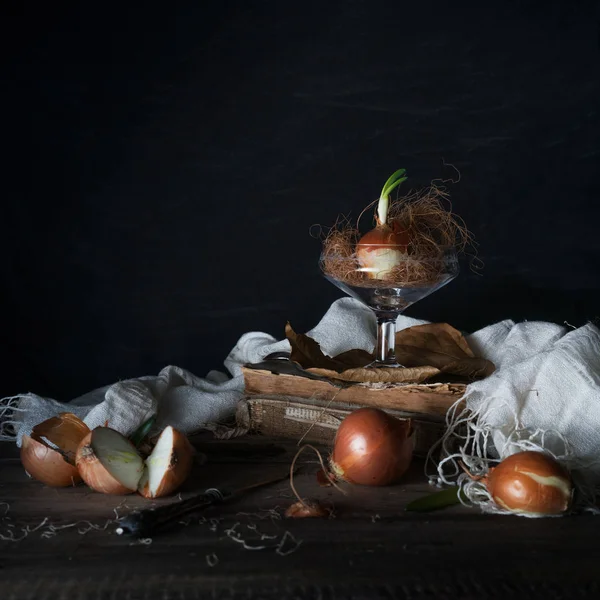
x=109 y=463
x=168 y=466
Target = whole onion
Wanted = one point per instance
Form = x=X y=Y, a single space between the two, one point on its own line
x=372 y=448
x=381 y=249
x=532 y=483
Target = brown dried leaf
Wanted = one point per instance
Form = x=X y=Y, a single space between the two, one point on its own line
x=440 y=345
x=307 y=352
x=355 y=358
x=472 y=368
x=375 y=375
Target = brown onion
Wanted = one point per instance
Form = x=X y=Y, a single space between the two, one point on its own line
x=381 y=249
x=531 y=483
x=47 y=465
x=48 y=455
x=64 y=431
x=168 y=466
x=109 y=463
x=372 y=448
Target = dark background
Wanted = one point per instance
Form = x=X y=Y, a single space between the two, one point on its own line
x=163 y=169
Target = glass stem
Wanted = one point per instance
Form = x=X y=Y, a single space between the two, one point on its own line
x=386 y=340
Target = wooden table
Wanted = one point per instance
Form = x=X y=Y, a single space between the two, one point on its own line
x=371 y=549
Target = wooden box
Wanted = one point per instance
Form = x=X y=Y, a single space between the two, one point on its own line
x=311 y=410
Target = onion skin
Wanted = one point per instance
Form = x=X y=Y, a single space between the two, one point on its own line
x=306 y=509
x=93 y=472
x=180 y=466
x=381 y=249
x=64 y=431
x=372 y=448
x=530 y=483
x=46 y=464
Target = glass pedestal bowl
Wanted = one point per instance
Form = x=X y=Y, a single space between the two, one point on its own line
x=389 y=293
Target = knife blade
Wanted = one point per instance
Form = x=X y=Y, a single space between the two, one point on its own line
x=145 y=523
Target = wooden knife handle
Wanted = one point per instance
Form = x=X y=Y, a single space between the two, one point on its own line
x=144 y=523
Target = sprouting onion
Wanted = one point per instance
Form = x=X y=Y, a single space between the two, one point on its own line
x=382 y=248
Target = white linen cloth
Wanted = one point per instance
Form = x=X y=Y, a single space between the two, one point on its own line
x=181 y=399
x=546 y=388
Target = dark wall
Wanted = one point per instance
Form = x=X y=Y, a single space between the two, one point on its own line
x=165 y=169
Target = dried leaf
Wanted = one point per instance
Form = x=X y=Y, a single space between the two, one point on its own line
x=472 y=368
x=307 y=352
x=435 y=501
x=137 y=437
x=435 y=345
x=374 y=375
x=440 y=345
x=355 y=358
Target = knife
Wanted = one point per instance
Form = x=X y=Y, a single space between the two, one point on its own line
x=144 y=523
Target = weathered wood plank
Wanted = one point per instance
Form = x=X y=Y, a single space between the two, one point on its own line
x=433 y=399
x=372 y=549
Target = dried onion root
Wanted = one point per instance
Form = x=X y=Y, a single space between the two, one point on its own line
x=309 y=507
x=406 y=246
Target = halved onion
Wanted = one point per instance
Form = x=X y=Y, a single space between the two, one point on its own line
x=48 y=455
x=168 y=466
x=64 y=431
x=109 y=463
x=46 y=464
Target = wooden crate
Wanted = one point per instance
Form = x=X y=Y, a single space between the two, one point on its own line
x=317 y=421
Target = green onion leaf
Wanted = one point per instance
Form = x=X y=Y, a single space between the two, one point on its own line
x=435 y=501
x=394 y=180
x=142 y=431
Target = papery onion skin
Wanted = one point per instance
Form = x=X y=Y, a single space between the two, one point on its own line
x=381 y=249
x=46 y=464
x=65 y=431
x=532 y=483
x=93 y=472
x=182 y=460
x=306 y=509
x=372 y=448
